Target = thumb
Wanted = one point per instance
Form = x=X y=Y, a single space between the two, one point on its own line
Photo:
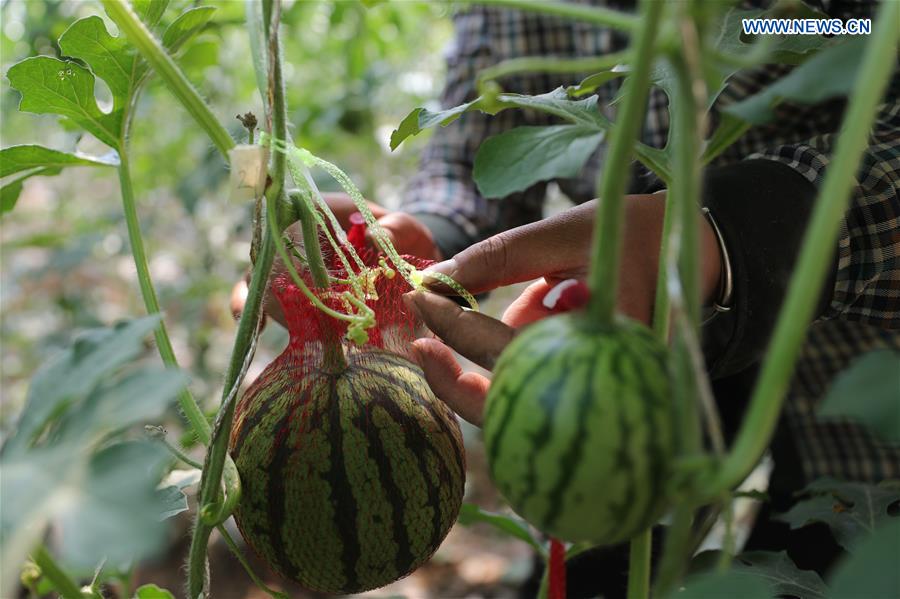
x=478 y=337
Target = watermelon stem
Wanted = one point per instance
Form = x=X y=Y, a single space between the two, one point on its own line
x=248 y=326
x=604 y=271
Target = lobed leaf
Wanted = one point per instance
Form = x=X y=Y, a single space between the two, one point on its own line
x=110 y=58
x=75 y=373
x=828 y=74
x=51 y=86
x=850 y=509
x=781 y=574
x=867 y=392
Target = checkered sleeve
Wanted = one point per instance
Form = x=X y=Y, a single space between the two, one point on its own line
x=867 y=280
x=442 y=193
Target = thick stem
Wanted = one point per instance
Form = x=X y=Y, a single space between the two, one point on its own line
x=215 y=457
x=587 y=14
x=247 y=327
x=611 y=187
x=311 y=247
x=155 y=55
x=188 y=405
x=815 y=255
x=639 y=565
x=63 y=584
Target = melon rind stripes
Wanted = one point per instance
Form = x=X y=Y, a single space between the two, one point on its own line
x=350 y=481
x=578 y=428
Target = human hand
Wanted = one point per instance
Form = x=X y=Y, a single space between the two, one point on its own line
x=555 y=249
x=407 y=234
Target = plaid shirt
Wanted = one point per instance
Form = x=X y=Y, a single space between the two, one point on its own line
x=862 y=311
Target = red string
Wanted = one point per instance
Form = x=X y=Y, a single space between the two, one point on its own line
x=557 y=566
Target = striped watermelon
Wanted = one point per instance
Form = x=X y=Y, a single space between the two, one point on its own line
x=351 y=480
x=578 y=428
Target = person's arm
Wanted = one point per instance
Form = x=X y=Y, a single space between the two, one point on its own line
x=761 y=206
x=553 y=250
x=442 y=194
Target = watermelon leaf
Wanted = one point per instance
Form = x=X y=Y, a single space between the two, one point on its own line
x=470 y=514
x=872 y=569
x=187 y=25
x=77 y=371
x=830 y=73
x=65 y=467
x=150 y=11
x=734 y=584
x=16 y=159
x=867 y=392
x=52 y=86
x=776 y=571
x=782 y=574
x=850 y=509
x=34 y=160
x=515 y=160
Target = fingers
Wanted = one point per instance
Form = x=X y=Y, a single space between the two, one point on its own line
x=478 y=337
x=529 y=306
x=464 y=392
x=558 y=246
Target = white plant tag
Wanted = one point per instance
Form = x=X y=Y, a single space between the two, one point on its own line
x=248 y=171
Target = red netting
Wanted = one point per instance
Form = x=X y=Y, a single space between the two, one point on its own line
x=308 y=325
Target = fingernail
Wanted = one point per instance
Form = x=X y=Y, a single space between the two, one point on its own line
x=446 y=267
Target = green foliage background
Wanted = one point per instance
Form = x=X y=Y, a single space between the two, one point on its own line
x=352 y=72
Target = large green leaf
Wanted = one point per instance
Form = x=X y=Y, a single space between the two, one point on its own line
x=871 y=572
x=583 y=112
x=66 y=468
x=51 y=86
x=850 y=509
x=110 y=58
x=517 y=159
x=830 y=73
x=75 y=373
x=868 y=392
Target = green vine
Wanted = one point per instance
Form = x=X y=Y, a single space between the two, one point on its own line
x=611 y=187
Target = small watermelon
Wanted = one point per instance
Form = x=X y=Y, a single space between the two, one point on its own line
x=351 y=480
x=352 y=473
x=578 y=428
